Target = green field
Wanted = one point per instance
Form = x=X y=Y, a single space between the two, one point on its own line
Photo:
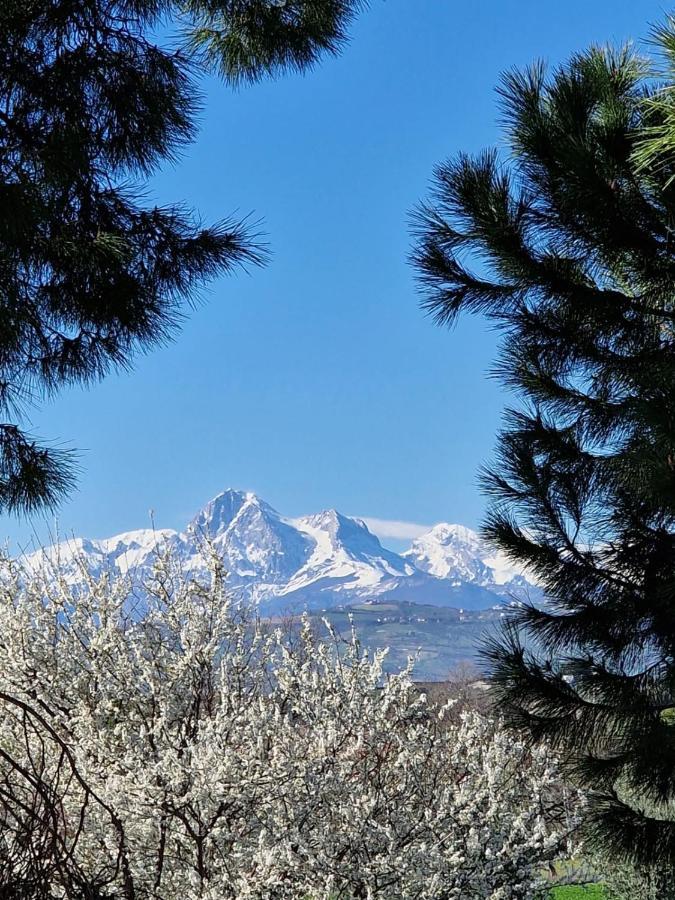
x=578 y=892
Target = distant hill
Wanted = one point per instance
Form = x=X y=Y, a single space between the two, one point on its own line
x=439 y=638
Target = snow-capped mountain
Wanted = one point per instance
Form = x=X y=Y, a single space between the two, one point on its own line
x=315 y=562
x=261 y=550
x=460 y=555
x=346 y=556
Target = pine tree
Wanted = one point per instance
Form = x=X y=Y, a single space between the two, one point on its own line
x=568 y=247
x=656 y=145
x=90 y=105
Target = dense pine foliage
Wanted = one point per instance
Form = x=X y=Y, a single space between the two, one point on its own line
x=568 y=248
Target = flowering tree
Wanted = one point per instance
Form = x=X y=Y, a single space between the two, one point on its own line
x=192 y=752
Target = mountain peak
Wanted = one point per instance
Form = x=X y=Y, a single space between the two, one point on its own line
x=220 y=512
x=447 y=532
x=233 y=495
x=329 y=520
x=460 y=554
x=342 y=531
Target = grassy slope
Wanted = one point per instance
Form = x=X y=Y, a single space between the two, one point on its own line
x=576 y=892
x=436 y=635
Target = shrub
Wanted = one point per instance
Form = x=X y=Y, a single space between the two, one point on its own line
x=190 y=751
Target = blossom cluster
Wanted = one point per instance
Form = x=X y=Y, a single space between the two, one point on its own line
x=191 y=750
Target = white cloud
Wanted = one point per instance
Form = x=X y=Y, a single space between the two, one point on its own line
x=390 y=528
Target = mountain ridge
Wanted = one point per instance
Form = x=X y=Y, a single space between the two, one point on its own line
x=315 y=562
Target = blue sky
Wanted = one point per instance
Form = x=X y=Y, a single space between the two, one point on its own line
x=317 y=382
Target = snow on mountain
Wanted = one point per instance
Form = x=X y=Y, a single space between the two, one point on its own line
x=449 y=551
x=261 y=550
x=131 y=552
x=345 y=550
x=315 y=562
x=460 y=555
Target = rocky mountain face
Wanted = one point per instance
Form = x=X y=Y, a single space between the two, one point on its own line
x=315 y=562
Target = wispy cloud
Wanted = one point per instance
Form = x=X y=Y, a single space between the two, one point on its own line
x=391 y=528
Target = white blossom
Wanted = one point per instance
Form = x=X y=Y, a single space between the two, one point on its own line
x=192 y=752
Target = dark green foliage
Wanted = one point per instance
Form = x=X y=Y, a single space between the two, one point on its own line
x=656 y=145
x=90 y=104
x=569 y=250
x=246 y=40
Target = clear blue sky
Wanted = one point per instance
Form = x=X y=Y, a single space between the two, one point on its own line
x=317 y=381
